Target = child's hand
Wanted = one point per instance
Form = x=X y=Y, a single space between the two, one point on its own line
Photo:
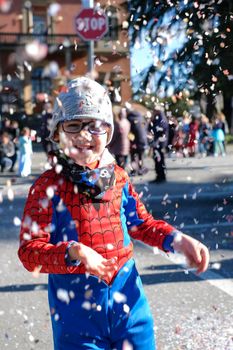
x=95 y=263
x=196 y=253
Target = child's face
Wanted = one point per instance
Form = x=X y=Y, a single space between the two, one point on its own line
x=83 y=140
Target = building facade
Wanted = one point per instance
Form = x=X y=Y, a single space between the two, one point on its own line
x=40 y=51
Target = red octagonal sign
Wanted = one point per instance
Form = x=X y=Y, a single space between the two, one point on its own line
x=91 y=24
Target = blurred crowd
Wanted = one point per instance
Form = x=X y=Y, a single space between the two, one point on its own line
x=198 y=136
x=135 y=137
x=16 y=148
x=159 y=136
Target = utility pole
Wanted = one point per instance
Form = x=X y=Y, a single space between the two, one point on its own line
x=90 y=64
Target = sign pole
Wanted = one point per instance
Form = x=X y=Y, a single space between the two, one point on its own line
x=90 y=61
x=90 y=64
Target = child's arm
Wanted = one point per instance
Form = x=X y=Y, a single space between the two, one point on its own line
x=142 y=225
x=36 y=251
x=158 y=233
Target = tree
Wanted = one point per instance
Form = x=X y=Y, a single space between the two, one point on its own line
x=203 y=63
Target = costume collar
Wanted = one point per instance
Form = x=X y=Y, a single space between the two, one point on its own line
x=92 y=182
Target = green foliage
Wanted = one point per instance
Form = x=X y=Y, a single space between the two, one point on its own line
x=229 y=139
x=176 y=105
x=205 y=61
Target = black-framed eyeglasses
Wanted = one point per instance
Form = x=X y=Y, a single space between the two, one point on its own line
x=96 y=127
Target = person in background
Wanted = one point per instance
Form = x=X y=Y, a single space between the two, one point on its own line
x=6 y=127
x=25 y=153
x=179 y=142
x=193 y=137
x=220 y=116
x=15 y=133
x=172 y=124
x=204 y=135
x=85 y=212
x=48 y=146
x=8 y=154
x=158 y=134
x=120 y=144
x=138 y=141
x=219 y=138
x=13 y=129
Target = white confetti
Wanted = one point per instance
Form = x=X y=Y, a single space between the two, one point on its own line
x=31 y=338
x=10 y=194
x=155 y=250
x=63 y=295
x=86 y=305
x=50 y=192
x=56 y=317
x=119 y=297
x=216 y=266
x=17 y=221
x=26 y=236
x=125 y=25
x=194 y=196
x=34 y=227
x=36 y=51
x=72 y=294
x=126 y=308
x=53 y=9
x=5 y=5
x=58 y=168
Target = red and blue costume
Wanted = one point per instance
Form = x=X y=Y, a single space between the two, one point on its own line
x=90 y=316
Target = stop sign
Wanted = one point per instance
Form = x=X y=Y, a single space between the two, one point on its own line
x=91 y=24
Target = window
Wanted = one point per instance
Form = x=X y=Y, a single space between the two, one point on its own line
x=36 y=21
x=39 y=18
x=39 y=24
x=112 y=33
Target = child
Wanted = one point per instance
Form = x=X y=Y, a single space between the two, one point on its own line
x=78 y=223
x=25 y=153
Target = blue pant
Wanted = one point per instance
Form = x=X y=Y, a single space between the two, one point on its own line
x=88 y=314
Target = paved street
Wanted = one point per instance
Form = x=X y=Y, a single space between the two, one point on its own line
x=190 y=312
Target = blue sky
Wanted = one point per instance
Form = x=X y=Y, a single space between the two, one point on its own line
x=143 y=55
x=140 y=58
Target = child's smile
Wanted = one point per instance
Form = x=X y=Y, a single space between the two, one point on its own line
x=83 y=147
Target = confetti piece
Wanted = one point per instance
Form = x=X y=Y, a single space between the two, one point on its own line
x=50 y=192
x=62 y=294
x=86 y=305
x=119 y=297
x=126 y=308
x=10 y=194
x=216 y=266
x=17 y=221
x=53 y=9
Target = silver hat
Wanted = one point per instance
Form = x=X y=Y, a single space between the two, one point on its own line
x=84 y=98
